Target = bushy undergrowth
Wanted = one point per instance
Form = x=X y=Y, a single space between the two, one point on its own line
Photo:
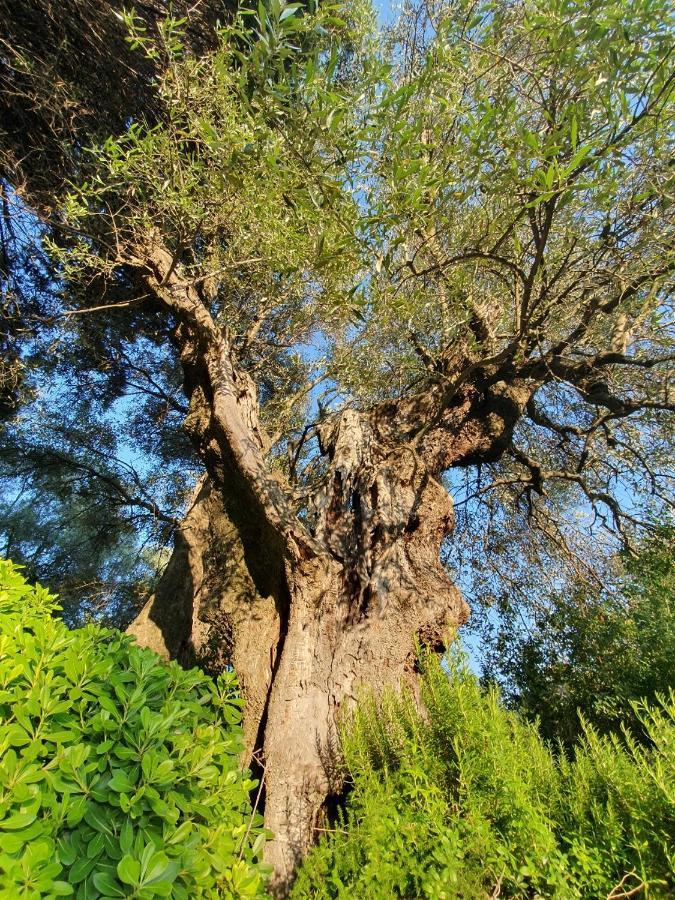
x=470 y=802
x=119 y=775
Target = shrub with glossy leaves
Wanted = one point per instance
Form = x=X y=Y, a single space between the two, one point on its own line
x=119 y=774
x=468 y=801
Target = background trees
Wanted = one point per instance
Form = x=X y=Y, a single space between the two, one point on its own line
x=69 y=79
x=590 y=652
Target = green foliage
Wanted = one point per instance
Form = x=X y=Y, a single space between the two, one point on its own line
x=503 y=115
x=90 y=531
x=119 y=775
x=245 y=182
x=469 y=801
x=594 y=651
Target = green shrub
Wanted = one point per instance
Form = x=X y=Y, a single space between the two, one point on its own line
x=469 y=802
x=119 y=774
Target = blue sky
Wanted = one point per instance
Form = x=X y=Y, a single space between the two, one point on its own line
x=385 y=10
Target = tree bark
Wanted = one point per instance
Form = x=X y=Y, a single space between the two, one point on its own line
x=304 y=644
x=212 y=609
x=355 y=616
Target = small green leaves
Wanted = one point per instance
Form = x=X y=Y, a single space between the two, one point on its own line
x=129 y=870
x=126 y=836
x=134 y=785
x=80 y=869
x=154 y=872
x=107 y=885
x=120 y=782
x=577 y=159
x=18 y=820
x=470 y=796
x=574 y=132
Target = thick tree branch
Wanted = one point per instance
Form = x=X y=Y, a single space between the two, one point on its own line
x=223 y=419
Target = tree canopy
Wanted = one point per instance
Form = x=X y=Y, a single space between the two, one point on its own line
x=484 y=200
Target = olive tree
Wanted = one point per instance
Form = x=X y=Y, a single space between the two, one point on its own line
x=382 y=262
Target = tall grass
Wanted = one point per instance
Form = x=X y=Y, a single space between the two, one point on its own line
x=468 y=801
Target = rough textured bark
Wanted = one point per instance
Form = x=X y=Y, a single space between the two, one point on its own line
x=355 y=615
x=310 y=609
x=346 y=618
x=208 y=609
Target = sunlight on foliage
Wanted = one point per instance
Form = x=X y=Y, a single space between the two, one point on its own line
x=119 y=774
x=469 y=801
x=593 y=649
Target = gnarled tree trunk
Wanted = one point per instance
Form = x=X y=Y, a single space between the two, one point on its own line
x=354 y=616
x=308 y=613
x=302 y=644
